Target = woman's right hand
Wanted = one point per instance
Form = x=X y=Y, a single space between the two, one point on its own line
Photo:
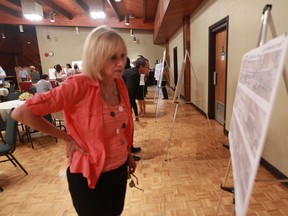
x=71 y=147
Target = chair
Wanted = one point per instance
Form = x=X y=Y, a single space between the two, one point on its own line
x=25 y=86
x=58 y=120
x=29 y=131
x=2 y=128
x=53 y=83
x=9 y=146
x=12 y=87
x=13 y=95
x=33 y=89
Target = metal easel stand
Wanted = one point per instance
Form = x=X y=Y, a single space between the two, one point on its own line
x=177 y=100
x=266 y=19
x=227 y=189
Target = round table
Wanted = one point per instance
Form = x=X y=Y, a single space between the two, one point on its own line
x=5 y=107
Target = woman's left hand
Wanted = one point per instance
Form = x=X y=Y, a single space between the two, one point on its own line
x=131 y=164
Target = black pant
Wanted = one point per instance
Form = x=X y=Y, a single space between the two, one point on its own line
x=164 y=90
x=106 y=199
x=134 y=105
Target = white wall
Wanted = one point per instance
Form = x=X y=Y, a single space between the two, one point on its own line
x=244 y=29
x=67 y=45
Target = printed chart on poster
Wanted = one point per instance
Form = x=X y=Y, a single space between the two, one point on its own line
x=261 y=70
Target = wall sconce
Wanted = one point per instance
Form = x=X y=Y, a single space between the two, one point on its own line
x=97 y=9
x=127 y=20
x=3 y=35
x=134 y=39
x=21 y=28
x=52 y=16
x=32 y=10
x=131 y=33
x=77 y=30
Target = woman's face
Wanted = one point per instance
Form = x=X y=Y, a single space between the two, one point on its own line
x=114 y=67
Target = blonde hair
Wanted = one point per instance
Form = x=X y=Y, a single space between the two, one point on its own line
x=100 y=45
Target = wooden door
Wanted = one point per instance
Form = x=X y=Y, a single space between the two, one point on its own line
x=175 y=56
x=219 y=78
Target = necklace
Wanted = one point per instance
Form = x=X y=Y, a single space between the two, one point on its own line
x=106 y=93
x=114 y=92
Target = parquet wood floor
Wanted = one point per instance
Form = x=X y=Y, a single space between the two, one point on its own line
x=187 y=183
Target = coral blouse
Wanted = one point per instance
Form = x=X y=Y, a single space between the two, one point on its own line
x=80 y=99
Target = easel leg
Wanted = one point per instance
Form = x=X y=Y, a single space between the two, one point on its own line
x=172 y=128
x=225 y=181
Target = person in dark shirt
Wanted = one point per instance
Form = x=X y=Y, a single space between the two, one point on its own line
x=131 y=77
x=34 y=74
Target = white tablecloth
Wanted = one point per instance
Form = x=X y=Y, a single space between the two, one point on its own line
x=5 y=107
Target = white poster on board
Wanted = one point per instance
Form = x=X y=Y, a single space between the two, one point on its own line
x=161 y=69
x=260 y=72
x=157 y=71
x=52 y=73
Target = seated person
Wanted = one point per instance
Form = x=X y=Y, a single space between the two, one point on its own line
x=2 y=74
x=44 y=84
x=34 y=74
x=3 y=91
x=76 y=69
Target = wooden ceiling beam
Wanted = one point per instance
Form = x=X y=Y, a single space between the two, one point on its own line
x=10 y=11
x=114 y=23
x=83 y=5
x=15 y=2
x=144 y=11
x=113 y=6
x=58 y=9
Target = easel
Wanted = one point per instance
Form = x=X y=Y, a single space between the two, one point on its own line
x=177 y=100
x=261 y=40
x=159 y=81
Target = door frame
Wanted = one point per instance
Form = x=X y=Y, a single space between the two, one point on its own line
x=175 y=61
x=221 y=25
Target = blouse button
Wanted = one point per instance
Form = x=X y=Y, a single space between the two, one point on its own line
x=117 y=131
x=123 y=141
x=123 y=125
x=120 y=108
x=112 y=114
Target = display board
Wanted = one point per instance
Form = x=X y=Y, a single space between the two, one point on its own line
x=260 y=72
x=157 y=72
x=52 y=73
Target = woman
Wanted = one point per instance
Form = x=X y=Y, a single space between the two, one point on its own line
x=69 y=70
x=76 y=69
x=60 y=73
x=99 y=125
